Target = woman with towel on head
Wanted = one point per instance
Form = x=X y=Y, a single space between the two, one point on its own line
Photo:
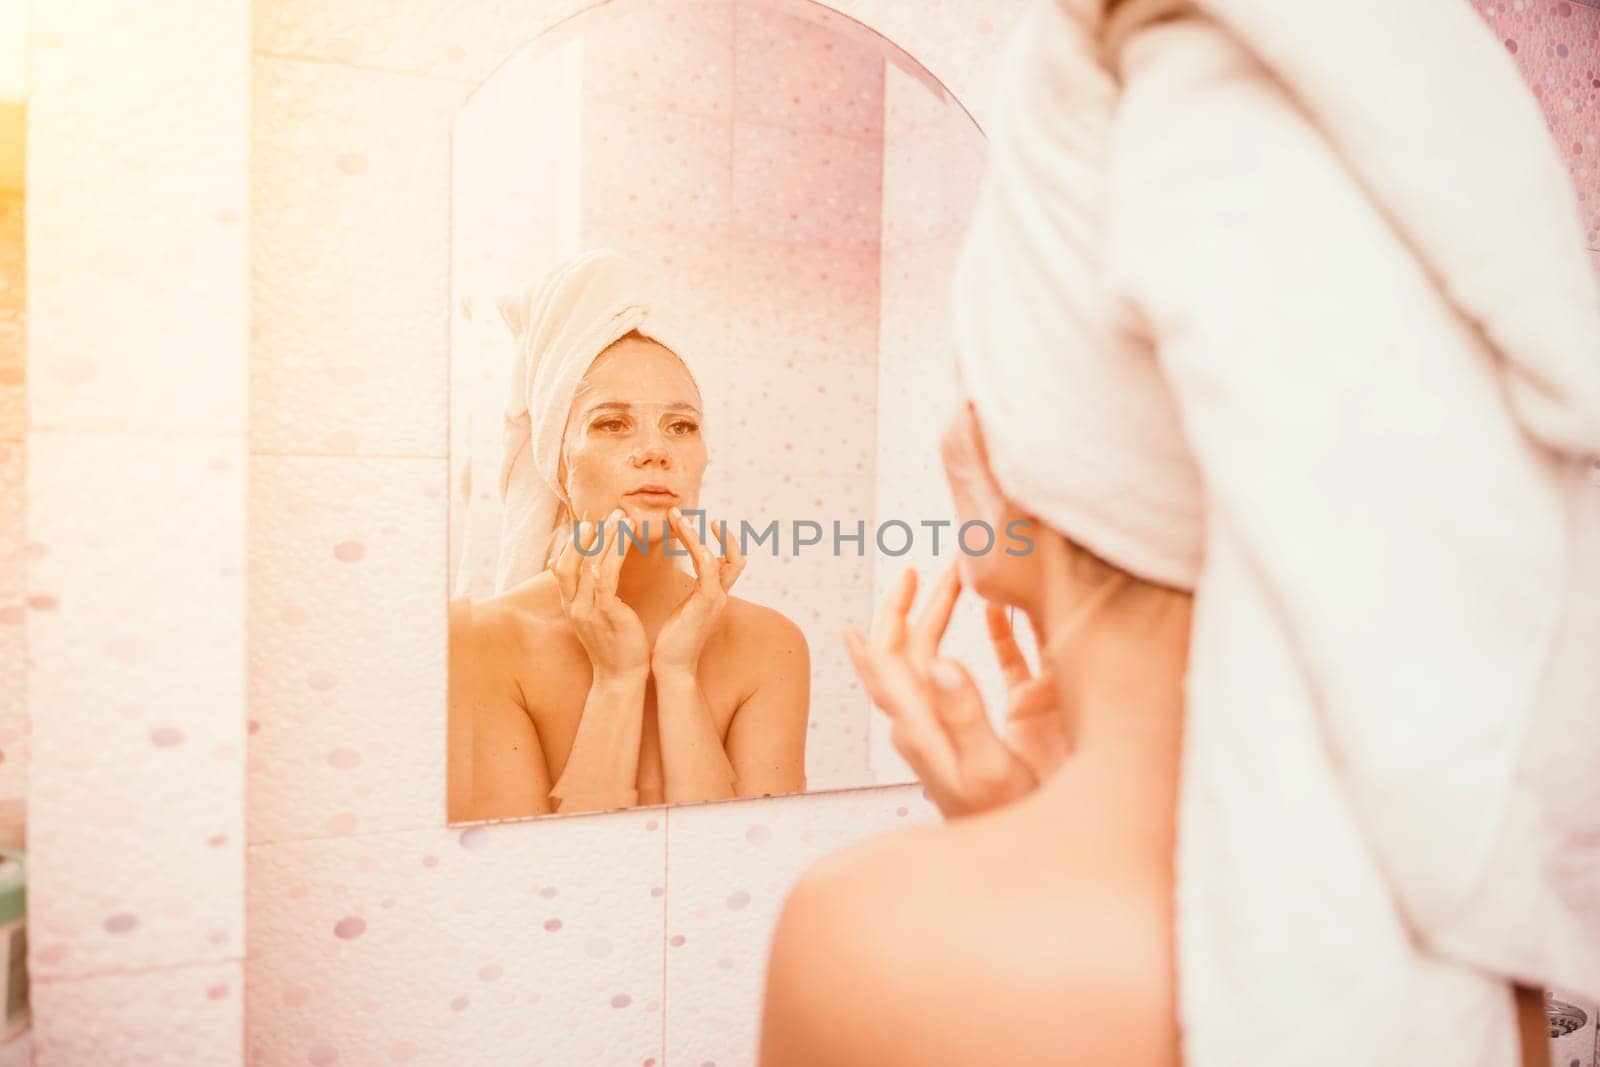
x=611 y=676
x=1300 y=373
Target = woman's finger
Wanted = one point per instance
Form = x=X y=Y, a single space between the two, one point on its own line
x=959 y=707
x=1013 y=665
x=889 y=628
x=914 y=727
x=870 y=665
x=611 y=559
x=589 y=534
x=990 y=772
x=732 y=563
x=861 y=658
x=706 y=570
x=922 y=641
x=565 y=568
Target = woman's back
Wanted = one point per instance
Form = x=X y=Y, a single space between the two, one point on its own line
x=1038 y=933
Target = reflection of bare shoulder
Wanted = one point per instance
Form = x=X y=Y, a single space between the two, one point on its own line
x=766 y=639
x=509 y=624
x=761 y=627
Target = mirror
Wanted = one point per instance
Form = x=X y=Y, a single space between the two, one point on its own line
x=785 y=192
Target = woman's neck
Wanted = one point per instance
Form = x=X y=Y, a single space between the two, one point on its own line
x=1120 y=678
x=651 y=582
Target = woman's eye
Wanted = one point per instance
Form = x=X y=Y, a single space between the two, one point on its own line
x=610 y=425
x=684 y=427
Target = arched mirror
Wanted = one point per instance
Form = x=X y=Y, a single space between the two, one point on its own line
x=783 y=193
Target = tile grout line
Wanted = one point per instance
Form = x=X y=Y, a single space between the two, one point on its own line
x=464 y=82
x=122 y=972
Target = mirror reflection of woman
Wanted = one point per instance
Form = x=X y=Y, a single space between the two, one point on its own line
x=613 y=667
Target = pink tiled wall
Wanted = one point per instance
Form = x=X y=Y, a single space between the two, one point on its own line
x=13 y=529
x=1556 y=44
x=137 y=290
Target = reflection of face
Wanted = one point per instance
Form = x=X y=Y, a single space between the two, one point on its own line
x=633 y=436
x=978 y=496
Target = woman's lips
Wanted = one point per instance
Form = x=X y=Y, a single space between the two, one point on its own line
x=653 y=496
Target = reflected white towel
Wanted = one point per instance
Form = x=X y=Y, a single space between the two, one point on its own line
x=561 y=325
x=1372 y=321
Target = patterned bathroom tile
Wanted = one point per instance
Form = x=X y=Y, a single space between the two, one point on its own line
x=534 y=941
x=797 y=70
x=785 y=419
x=14 y=740
x=729 y=868
x=956 y=41
x=794 y=555
x=806 y=186
x=1574 y=1030
x=1556 y=45
x=652 y=165
x=347 y=646
x=915 y=290
x=175 y=1017
x=677 y=55
x=350 y=229
x=687 y=272
x=13 y=320
x=515 y=194
x=136 y=678
x=137 y=219
x=913 y=98
x=837 y=753
x=932 y=166
x=427 y=37
x=804 y=304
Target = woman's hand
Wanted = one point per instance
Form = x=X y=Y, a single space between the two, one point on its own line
x=610 y=631
x=683 y=636
x=938 y=722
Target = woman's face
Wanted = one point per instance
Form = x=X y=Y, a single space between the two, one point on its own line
x=995 y=574
x=633 y=437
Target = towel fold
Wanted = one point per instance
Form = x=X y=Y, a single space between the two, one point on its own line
x=1329 y=354
x=560 y=325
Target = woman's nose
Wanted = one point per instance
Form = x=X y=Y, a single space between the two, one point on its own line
x=651 y=452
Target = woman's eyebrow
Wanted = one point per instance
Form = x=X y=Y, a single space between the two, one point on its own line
x=619 y=405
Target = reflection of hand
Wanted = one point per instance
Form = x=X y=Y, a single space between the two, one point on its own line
x=683 y=636
x=610 y=631
x=937 y=716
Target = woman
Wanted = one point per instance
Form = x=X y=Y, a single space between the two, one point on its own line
x=1266 y=336
x=602 y=674
x=1034 y=928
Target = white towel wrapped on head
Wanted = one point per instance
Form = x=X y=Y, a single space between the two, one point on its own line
x=1257 y=312
x=561 y=325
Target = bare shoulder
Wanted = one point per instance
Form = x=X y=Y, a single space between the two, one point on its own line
x=897 y=950
x=756 y=628
x=505 y=621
